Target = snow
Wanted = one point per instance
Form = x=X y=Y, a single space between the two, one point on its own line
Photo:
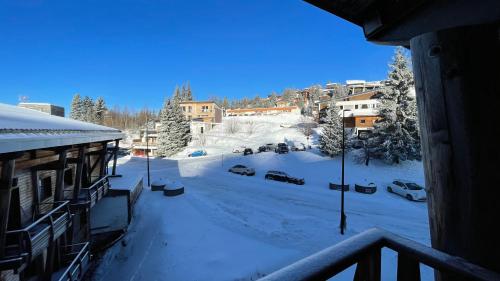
x=233 y=227
x=25 y=129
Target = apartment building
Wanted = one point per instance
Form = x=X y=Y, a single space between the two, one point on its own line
x=360 y=111
x=263 y=111
x=203 y=115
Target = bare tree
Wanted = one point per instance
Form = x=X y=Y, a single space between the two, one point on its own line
x=306 y=126
x=202 y=139
x=251 y=127
x=232 y=126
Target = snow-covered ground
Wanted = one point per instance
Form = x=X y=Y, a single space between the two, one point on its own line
x=232 y=227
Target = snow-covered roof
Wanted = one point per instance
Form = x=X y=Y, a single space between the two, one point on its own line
x=25 y=129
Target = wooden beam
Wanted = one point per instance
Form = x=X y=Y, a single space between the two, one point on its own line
x=79 y=172
x=7 y=176
x=59 y=190
x=102 y=158
x=457 y=85
x=117 y=147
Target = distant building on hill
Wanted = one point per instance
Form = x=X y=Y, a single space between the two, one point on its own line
x=262 y=111
x=203 y=115
x=44 y=107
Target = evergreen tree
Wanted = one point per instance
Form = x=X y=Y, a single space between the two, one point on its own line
x=189 y=94
x=99 y=111
x=330 y=139
x=397 y=132
x=88 y=110
x=76 y=108
x=174 y=131
x=177 y=97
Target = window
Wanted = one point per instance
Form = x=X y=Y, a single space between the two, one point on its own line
x=204 y=108
x=364 y=106
x=45 y=186
x=341 y=107
x=190 y=109
x=183 y=109
x=362 y=121
x=356 y=106
x=68 y=177
x=201 y=130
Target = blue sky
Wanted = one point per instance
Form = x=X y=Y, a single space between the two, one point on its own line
x=133 y=53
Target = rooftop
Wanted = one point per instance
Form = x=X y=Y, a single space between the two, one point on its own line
x=25 y=129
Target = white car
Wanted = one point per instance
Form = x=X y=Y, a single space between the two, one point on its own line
x=242 y=170
x=239 y=149
x=407 y=189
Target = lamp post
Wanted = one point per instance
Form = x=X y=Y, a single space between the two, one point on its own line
x=147 y=150
x=342 y=213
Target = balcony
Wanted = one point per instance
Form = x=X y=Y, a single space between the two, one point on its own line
x=95 y=192
x=77 y=260
x=23 y=245
x=365 y=250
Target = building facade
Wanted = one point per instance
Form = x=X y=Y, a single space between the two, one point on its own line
x=263 y=111
x=360 y=111
x=44 y=107
x=53 y=173
x=204 y=111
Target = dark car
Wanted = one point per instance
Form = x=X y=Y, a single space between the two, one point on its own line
x=284 y=177
x=247 y=151
x=281 y=148
x=263 y=148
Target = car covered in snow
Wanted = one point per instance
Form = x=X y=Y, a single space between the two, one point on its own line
x=242 y=170
x=298 y=147
x=281 y=148
x=284 y=177
x=285 y=125
x=197 y=153
x=239 y=149
x=407 y=189
x=247 y=151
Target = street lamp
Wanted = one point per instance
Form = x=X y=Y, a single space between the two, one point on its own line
x=342 y=213
x=147 y=149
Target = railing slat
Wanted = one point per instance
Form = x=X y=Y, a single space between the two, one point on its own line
x=408 y=268
x=368 y=268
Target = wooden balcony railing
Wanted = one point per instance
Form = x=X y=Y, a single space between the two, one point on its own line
x=77 y=259
x=96 y=191
x=365 y=250
x=23 y=245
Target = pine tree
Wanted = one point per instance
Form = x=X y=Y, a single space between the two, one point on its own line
x=76 y=108
x=99 y=111
x=174 y=132
x=397 y=131
x=189 y=94
x=88 y=109
x=177 y=96
x=330 y=140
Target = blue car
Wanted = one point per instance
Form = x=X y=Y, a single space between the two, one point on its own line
x=197 y=153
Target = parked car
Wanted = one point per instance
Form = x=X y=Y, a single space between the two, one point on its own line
x=407 y=189
x=247 y=151
x=284 y=177
x=242 y=170
x=262 y=148
x=281 y=148
x=298 y=147
x=239 y=149
x=285 y=125
x=197 y=153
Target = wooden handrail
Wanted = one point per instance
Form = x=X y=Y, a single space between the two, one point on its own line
x=333 y=260
x=64 y=204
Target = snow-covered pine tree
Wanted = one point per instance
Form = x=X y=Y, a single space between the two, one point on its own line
x=397 y=132
x=177 y=96
x=99 y=111
x=88 y=109
x=76 y=108
x=330 y=139
x=174 y=132
x=189 y=94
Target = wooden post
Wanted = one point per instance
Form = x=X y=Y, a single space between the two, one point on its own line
x=115 y=156
x=6 y=180
x=59 y=190
x=458 y=91
x=102 y=160
x=79 y=172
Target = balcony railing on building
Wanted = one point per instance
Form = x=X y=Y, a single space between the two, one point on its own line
x=76 y=261
x=95 y=192
x=25 y=244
